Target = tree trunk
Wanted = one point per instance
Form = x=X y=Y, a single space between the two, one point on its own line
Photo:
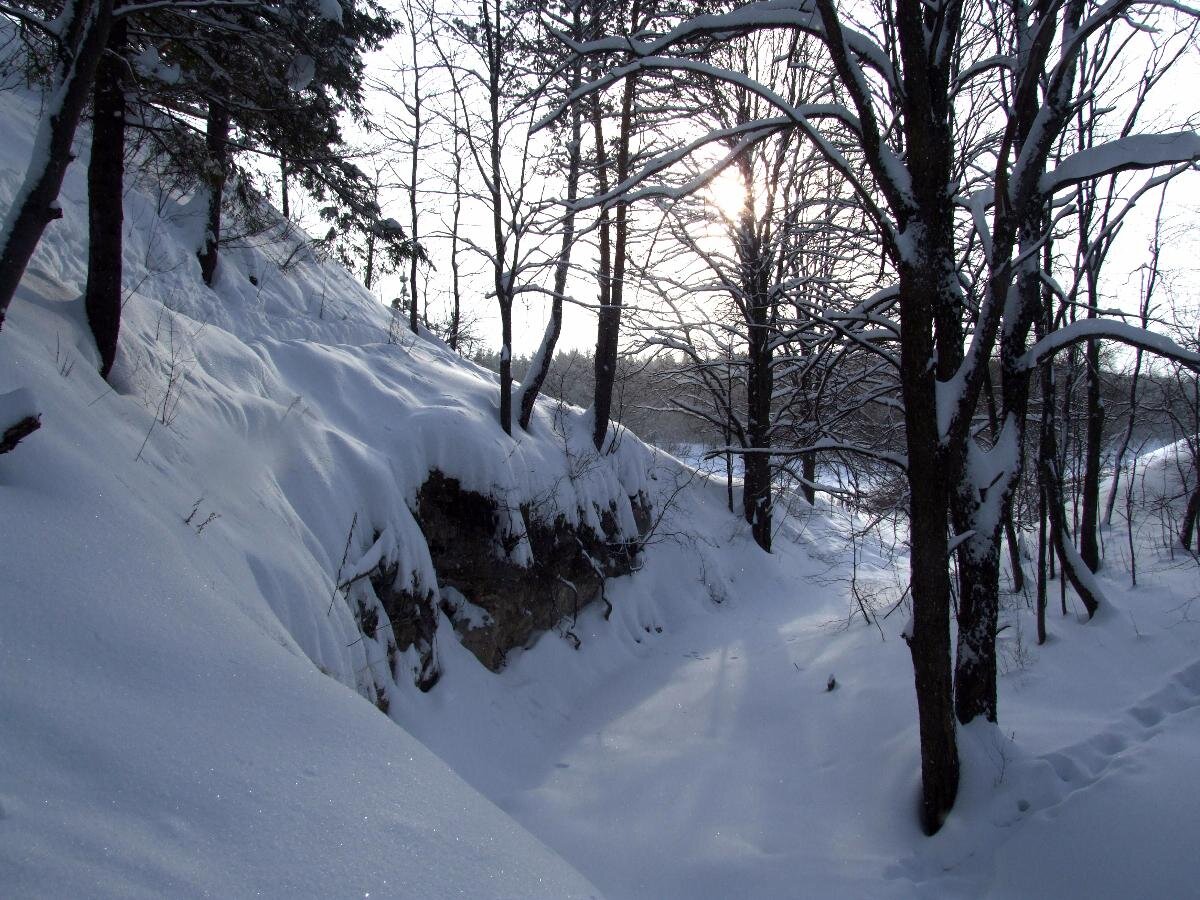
x=455 y=283
x=285 y=202
x=1059 y=529
x=106 y=182
x=1190 y=516
x=369 y=264
x=808 y=471
x=413 y=216
x=756 y=475
x=85 y=26
x=539 y=367
x=506 y=364
x=985 y=509
x=1014 y=555
x=929 y=641
x=608 y=327
x=1089 y=521
x=1041 y=569
x=216 y=142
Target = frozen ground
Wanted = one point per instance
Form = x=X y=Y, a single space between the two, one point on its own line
x=182 y=691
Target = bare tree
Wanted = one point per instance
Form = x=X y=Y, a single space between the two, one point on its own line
x=923 y=81
x=539 y=366
x=491 y=88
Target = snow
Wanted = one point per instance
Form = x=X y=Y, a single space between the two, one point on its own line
x=184 y=690
x=1139 y=151
x=150 y=65
x=180 y=698
x=1107 y=329
x=330 y=10
x=16 y=405
x=301 y=72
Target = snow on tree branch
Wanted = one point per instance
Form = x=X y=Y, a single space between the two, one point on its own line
x=1139 y=151
x=1106 y=329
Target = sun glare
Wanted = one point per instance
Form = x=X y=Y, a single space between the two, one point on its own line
x=727 y=193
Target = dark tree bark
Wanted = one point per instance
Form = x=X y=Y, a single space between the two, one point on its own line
x=216 y=142
x=86 y=25
x=608 y=328
x=285 y=201
x=106 y=183
x=756 y=476
x=1190 y=516
x=456 y=215
x=979 y=559
x=930 y=639
x=1041 y=569
x=921 y=295
x=414 y=217
x=1089 y=516
x=808 y=471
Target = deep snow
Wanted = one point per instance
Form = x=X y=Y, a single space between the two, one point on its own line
x=182 y=705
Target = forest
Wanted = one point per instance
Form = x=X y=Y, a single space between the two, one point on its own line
x=923 y=269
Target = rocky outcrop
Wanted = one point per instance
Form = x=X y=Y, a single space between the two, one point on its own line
x=413 y=622
x=504 y=576
x=496 y=603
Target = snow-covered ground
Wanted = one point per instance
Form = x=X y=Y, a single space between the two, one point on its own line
x=183 y=692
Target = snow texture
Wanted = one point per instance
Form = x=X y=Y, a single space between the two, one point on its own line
x=1139 y=151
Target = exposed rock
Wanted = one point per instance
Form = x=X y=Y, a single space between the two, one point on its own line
x=413 y=621
x=498 y=603
x=494 y=600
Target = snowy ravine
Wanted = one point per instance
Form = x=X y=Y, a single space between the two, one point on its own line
x=183 y=691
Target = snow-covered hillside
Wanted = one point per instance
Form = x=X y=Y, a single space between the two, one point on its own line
x=185 y=693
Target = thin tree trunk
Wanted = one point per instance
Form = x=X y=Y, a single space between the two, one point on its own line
x=502 y=275
x=106 y=183
x=413 y=320
x=370 y=237
x=603 y=270
x=284 y=198
x=1041 y=569
x=609 y=326
x=1089 y=519
x=756 y=474
x=539 y=367
x=455 y=284
x=216 y=141
x=506 y=365
x=808 y=471
x=1190 y=516
x=85 y=26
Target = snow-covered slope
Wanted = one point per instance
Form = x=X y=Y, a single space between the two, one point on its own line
x=178 y=706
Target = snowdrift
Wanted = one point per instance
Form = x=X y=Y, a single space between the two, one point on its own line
x=184 y=676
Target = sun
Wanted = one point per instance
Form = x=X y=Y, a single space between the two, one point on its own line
x=727 y=193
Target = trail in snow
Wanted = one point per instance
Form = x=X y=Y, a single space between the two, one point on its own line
x=721 y=766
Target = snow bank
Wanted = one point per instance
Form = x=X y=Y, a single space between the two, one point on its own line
x=178 y=673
